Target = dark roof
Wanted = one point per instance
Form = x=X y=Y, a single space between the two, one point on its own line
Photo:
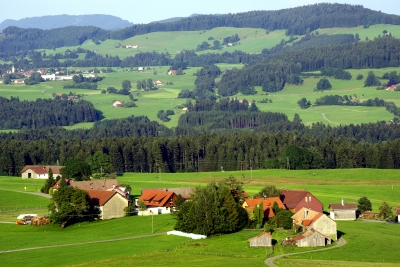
x=291 y=198
x=105 y=184
x=345 y=206
x=42 y=169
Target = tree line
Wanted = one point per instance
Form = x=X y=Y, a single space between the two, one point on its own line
x=16 y=114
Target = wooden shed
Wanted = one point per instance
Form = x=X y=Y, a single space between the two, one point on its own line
x=312 y=238
x=262 y=240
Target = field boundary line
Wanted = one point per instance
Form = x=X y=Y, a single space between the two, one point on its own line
x=82 y=243
x=270 y=261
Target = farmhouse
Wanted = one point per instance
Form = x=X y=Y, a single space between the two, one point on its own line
x=267 y=205
x=140 y=69
x=312 y=238
x=262 y=240
x=99 y=185
x=172 y=72
x=110 y=203
x=158 y=201
x=132 y=46
x=117 y=103
x=343 y=211
x=158 y=83
x=185 y=192
x=19 y=81
x=294 y=200
x=49 y=77
x=40 y=171
x=308 y=219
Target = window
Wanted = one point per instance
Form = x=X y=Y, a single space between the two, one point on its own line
x=306 y=199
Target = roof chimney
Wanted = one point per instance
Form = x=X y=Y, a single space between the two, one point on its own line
x=305 y=213
x=342 y=202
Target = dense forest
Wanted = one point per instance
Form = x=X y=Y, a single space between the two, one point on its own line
x=16 y=114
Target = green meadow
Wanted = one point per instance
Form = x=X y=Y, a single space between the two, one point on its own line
x=124 y=241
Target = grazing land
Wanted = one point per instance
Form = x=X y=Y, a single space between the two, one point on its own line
x=327 y=185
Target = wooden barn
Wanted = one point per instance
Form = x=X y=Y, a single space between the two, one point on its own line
x=343 y=211
x=262 y=240
x=312 y=238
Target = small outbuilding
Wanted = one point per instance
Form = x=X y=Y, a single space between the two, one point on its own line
x=398 y=214
x=343 y=211
x=312 y=238
x=261 y=241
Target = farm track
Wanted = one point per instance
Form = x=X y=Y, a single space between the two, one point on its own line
x=32 y=193
x=81 y=243
x=270 y=261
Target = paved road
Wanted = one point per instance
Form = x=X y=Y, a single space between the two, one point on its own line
x=270 y=261
x=32 y=193
x=81 y=243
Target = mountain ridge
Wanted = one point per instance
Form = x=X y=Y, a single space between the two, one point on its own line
x=107 y=22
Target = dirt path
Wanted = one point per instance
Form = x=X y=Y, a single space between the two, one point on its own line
x=323 y=115
x=270 y=261
x=81 y=243
x=32 y=193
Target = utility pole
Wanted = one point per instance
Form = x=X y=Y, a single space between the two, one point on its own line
x=251 y=171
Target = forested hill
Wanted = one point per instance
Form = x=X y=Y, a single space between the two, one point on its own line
x=296 y=21
x=106 y=22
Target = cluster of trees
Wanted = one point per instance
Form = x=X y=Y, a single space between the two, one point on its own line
x=336 y=73
x=323 y=84
x=125 y=90
x=16 y=114
x=84 y=82
x=35 y=78
x=205 y=84
x=145 y=84
x=163 y=115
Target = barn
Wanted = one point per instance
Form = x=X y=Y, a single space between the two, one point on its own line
x=262 y=240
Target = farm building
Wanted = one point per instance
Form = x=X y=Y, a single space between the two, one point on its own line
x=312 y=238
x=102 y=185
x=110 y=203
x=172 y=72
x=185 y=192
x=294 y=200
x=398 y=214
x=158 y=201
x=308 y=219
x=262 y=240
x=117 y=103
x=40 y=171
x=267 y=205
x=343 y=211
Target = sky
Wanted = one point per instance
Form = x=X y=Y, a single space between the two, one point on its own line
x=145 y=11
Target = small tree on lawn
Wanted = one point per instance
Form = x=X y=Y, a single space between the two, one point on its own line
x=385 y=211
x=364 y=204
x=142 y=206
x=324 y=84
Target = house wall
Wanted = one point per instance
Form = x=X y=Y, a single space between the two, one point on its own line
x=343 y=214
x=325 y=226
x=34 y=175
x=114 y=207
x=310 y=202
x=262 y=241
x=314 y=240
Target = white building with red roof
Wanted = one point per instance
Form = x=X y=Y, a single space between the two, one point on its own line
x=40 y=171
x=157 y=201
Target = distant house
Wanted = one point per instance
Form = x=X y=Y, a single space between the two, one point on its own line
x=229 y=44
x=110 y=203
x=19 y=81
x=117 y=103
x=308 y=219
x=140 y=68
x=40 y=171
x=49 y=77
x=262 y=240
x=343 y=211
x=294 y=200
x=267 y=205
x=172 y=72
x=132 y=46
x=312 y=238
x=158 y=201
x=398 y=214
x=158 y=83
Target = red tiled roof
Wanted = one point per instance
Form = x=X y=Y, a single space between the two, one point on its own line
x=101 y=196
x=102 y=185
x=42 y=169
x=157 y=198
x=291 y=198
x=345 y=206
